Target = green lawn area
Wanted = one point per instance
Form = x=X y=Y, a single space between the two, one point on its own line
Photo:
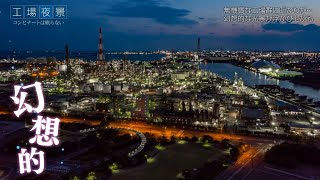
x=171 y=161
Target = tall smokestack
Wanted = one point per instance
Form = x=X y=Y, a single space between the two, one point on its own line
x=67 y=55
x=198 y=45
x=67 y=60
x=100 y=57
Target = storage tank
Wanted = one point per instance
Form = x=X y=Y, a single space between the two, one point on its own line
x=125 y=88
x=86 y=89
x=41 y=60
x=168 y=91
x=98 y=87
x=75 y=89
x=51 y=60
x=61 y=67
x=31 y=60
x=93 y=80
x=107 y=88
x=117 y=88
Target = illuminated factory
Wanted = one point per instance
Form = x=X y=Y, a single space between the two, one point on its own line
x=265 y=66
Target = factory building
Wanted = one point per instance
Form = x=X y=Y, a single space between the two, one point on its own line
x=265 y=66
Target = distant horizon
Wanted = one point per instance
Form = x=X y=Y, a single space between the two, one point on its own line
x=146 y=51
x=91 y=55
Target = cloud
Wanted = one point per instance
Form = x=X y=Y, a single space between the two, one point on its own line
x=150 y=9
x=288 y=27
x=132 y=30
x=211 y=21
x=212 y=24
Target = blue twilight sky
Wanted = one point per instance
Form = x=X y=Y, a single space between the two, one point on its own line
x=160 y=24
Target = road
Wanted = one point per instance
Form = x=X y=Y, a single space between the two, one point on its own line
x=247 y=162
x=242 y=167
x=169 y=131
x=240 y=170
x=4 y=112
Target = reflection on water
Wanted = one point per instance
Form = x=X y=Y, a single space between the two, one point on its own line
x=251 y=78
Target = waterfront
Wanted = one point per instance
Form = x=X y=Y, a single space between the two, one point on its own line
x=250 y=78
x=167 y=101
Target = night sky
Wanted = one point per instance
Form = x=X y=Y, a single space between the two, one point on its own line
x=159 y=24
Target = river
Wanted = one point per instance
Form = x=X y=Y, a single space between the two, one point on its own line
x=250 y=78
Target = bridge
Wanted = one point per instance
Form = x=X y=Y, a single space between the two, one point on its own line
x=140 y=134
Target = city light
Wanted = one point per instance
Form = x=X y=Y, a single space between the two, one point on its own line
x=160 y=90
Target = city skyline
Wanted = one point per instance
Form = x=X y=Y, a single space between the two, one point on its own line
x=159 y=89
